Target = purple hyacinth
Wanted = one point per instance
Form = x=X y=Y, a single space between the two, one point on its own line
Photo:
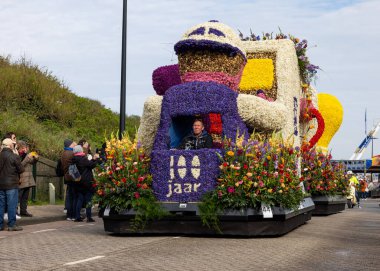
x=198 y=31
x=216 y=32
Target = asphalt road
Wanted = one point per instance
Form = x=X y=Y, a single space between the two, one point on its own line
x=349 y=240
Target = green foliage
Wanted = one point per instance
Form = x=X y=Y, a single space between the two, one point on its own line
x=40 y=109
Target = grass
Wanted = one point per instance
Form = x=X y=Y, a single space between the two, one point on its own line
x=43 y=111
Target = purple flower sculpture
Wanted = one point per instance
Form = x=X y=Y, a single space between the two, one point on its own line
x=185 y=175
x=165 y=77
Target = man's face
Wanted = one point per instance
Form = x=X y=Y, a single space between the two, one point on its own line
x=13 y=137
x=197 y=127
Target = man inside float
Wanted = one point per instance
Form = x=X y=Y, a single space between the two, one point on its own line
x=197 y=139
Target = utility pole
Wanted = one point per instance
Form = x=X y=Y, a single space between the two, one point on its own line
x=123 y=71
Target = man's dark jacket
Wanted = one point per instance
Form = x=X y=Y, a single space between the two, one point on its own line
x=193 y=142
x=10 y=169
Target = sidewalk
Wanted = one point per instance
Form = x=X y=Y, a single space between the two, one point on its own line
x=43 y=214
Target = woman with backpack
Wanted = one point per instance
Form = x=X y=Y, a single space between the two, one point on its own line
x=83 y=189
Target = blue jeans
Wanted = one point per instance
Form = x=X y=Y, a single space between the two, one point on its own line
x=9 y=199
x=83 y=197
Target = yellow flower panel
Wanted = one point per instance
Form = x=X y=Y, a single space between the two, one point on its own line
x=257 y=74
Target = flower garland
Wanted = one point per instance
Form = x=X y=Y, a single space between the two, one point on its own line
x=123 y=182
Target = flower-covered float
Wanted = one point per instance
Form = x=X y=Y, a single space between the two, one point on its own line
x=324 y=178
x=255 y=100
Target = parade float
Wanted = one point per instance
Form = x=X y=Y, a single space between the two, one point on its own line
x=323 y=178
x=255 y=100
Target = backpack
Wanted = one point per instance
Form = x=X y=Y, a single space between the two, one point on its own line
x=58 y=169
x=74 y=173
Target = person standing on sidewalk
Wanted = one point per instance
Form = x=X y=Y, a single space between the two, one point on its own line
x=10 y=170
x=26 y=178
x=66 y=161
x=12 y=136
x=84 y=189
x=354 y=182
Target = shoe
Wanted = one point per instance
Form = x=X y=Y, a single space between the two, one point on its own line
x=26 y=214
x=359 y=207
x=65 y=211
x=78 y=220
x=70 y=219
x=18 y=217
x=15 y=228
x=1 y=229
x=90 y=220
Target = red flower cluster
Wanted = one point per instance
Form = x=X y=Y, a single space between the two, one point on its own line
x=254 y=172
x=321 y=176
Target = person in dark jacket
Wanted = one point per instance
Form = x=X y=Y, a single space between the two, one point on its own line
x=66 y=161
x=10 y=170
x=197 y=139
x=83 y=189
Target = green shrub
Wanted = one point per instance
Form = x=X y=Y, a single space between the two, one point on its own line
x=41 y=109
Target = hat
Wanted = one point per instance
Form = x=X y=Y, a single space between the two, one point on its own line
x=77 y=149
x=211 y=35
x=350 y=172
x=67 y=143
x=8 y=142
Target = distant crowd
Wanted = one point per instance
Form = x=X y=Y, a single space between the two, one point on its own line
x=360 y=188
x=75 y=165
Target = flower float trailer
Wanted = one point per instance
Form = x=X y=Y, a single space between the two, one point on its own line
x=191 y=185
x=325 y=179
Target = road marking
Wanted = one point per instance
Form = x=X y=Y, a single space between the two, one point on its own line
x=44 y=230
x=85 y=260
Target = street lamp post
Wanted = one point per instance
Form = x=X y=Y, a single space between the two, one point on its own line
x=123 y=71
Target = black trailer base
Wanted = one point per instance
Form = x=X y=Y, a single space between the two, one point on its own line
x=327 y=205
x=185 y=220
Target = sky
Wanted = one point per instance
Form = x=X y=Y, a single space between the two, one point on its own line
x=80 y=43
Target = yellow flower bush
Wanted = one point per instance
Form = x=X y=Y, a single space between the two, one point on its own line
x=257 y=74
